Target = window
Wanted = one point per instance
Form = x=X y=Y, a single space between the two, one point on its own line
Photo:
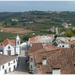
x=8 y=47
x=31 y=59
x=74 y=64
x=18 y=42
x=31 y=66
x=8 y=64
x=9 y=69
x=3 y=67
x=14 y=61
x=72 y=46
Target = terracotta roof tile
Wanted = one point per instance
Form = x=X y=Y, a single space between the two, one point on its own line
x=7 y=41
x=5 y=58
x=63 y=59
x=32 y=39
x=39 y=47
x=72 y=42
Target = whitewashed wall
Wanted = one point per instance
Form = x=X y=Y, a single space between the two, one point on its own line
x=33 y=67
x=18 y=50
x=65 y=45
x=6 y=67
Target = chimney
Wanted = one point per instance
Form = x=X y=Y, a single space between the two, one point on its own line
x=31 y=45
x=44 y=61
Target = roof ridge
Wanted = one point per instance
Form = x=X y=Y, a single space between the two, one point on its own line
x=53 y=53
x=43 y=47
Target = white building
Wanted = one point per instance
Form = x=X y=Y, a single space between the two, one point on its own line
x=7 y=63
x=42 y=39
x=57 y=30
x=64 y=42
x=11 y=47
x=16 y=20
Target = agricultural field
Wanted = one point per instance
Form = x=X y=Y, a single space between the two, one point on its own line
x=17 y=30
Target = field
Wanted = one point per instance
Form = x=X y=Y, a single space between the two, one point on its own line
x=16 y=30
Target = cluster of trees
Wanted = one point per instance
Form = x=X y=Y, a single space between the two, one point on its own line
x=70 y=33
x=14 y=23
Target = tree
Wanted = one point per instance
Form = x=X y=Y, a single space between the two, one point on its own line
x=55 y=36
x=14 y=23
x=5 y=23
x=73 y=31
x=24 y=24
x=69 y=33
x=25 y=38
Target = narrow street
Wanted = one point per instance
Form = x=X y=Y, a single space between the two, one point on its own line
x=22 y=65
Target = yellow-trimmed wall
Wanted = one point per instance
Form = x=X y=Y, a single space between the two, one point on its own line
x=29 y=62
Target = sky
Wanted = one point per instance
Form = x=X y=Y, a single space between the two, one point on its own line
x=23 y=6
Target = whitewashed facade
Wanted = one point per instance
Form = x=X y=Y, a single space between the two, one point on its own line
x=64 y=45
x=8 y=67
x=32 y=67
x=6 y=49
x=11 y=47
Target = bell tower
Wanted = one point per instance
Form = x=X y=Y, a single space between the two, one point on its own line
x=17 y=45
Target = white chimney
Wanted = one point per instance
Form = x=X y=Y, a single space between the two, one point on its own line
x=31 y=45
x=44 y=62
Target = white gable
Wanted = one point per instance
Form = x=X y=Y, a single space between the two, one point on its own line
x=12 y=49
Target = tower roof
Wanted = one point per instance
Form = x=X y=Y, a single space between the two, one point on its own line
x=17 y=37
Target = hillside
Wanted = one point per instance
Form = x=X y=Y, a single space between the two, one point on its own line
x=35 y=21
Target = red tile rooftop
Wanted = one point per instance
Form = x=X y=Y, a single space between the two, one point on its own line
x=7 y=41
x=63 y=59
x=39 y=47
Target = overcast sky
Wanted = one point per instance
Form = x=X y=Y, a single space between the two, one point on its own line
x=21 y=6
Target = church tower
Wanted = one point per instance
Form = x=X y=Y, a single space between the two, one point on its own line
x=17 y=45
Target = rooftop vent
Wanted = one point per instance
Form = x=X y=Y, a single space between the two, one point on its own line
x=44 y=61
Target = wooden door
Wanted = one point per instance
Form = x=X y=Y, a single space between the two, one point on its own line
x=9 y=52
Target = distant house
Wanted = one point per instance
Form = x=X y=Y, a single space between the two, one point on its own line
x=72 y=28
x=16 y=20
x=52 y=29
x=10 y=47
x=48 y=30
x=29 y=22
x=64 y=42
x=65 y=25
x=7 y=63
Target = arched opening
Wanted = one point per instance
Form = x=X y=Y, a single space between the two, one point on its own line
x=9 y=69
